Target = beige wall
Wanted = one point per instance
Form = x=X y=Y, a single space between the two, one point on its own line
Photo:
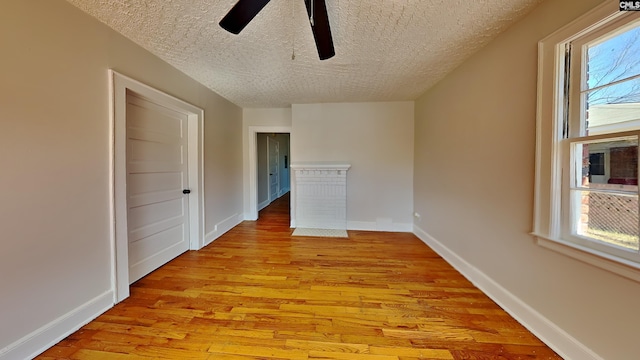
x=377 y=140
x=54 y=156
x=474 y=172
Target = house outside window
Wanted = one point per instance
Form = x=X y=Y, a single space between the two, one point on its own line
x=587 y=145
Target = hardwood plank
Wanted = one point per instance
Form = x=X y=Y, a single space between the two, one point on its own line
x=259 y=293
x=259 y=351
x=327 y=346
x=313 y=354
x=404 y=352
x=87 y=354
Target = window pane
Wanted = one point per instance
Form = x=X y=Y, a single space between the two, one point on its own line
x=610 y=165
x=605 y=190
x=614 y=108
x=615 y=59
x=596 y=164
x=607 y=217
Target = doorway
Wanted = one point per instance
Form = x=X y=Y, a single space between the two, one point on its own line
x=272 y=154
x=251 y=213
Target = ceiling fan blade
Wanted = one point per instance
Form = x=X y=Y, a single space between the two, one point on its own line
x=241 y=14
x=320 y=28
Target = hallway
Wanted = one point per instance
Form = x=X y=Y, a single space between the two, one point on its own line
x=277 y=213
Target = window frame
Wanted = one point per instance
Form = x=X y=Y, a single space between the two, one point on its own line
x=569 y=186
x=552 y=195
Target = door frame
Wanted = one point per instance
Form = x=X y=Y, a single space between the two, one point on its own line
x=252 y=134
x=118 y=86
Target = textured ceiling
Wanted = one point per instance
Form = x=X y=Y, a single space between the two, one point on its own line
x=386 y=50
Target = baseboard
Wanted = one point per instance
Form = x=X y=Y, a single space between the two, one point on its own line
x=551 y=334
x=50 y=334
x=250 y=217
x=379 y=226
x=222 y=227
x=263 y=204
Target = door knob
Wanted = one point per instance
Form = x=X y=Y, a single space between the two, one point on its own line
x=186 y=191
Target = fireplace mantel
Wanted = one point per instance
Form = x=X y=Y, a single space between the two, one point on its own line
x=319 y=195
x=320 y=166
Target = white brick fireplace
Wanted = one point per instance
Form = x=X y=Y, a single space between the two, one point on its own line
x=319 y=195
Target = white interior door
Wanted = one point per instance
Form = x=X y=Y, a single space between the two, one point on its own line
x=274 y=176
x=157 y=207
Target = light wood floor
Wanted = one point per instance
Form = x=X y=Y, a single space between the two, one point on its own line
x=258 y=293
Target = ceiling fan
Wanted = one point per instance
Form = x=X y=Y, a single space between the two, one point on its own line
x=245 y=10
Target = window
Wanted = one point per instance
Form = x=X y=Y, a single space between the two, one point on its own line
x=588 y=136
x=596 y=166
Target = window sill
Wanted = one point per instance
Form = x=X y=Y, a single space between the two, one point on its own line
x=596 y=258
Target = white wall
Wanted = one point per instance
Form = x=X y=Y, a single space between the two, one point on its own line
x=474 y=173
x=55 y=263
x=377 y=140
